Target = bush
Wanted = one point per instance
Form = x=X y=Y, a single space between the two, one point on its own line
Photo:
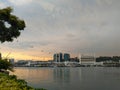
x=10 y=82
x=5 y=65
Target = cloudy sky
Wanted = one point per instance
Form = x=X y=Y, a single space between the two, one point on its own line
x=73 y=26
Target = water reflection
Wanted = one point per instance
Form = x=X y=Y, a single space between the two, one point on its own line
x=61 y=75
x=92 y=78
x=34 y=75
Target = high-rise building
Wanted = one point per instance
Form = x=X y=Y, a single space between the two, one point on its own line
x=58 y=57
x=66 y=57
x=55 y=57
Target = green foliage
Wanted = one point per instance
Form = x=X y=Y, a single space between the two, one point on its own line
x=15 y=25
x=6 y=65
x=10 y=82
x=10 y=28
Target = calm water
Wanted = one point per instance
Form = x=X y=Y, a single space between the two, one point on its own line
x=80 y=78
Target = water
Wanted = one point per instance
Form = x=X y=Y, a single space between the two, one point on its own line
x=80 y=78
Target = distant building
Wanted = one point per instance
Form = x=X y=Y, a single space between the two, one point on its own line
x=11 y=61
x=55 y=57
x=61 y=57
x=66 y=57
x=75 y=59
x=85 y=59
x=58 y=57
x=22 y=62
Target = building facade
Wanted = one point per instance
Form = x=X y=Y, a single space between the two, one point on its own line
x=66 y=57
x=88 y=60
x=58 y=57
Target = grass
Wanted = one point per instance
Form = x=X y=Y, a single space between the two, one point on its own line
x=10 y=82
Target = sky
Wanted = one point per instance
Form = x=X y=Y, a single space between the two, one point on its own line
x=67 y=26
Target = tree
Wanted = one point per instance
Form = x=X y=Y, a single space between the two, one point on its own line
x=10 y=25
x=5 y=65
x=10 y=28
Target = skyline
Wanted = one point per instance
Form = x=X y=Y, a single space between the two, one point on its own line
x=71 y=26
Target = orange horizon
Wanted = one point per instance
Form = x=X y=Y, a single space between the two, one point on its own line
x=18 y=56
